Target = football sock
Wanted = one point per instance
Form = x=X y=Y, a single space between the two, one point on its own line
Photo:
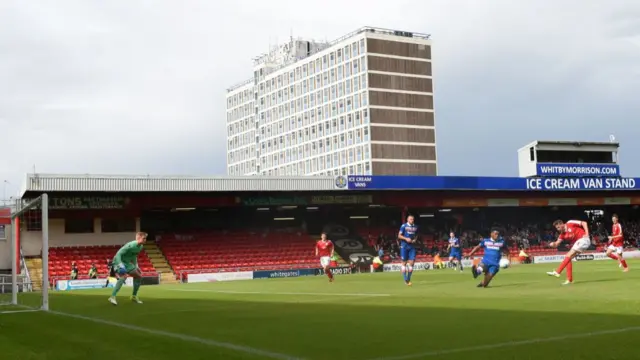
x=118 y=286
x=136 y=285
x=329 y=274
x=570 y=271
x=614 y=256
x=409 y=272
x=564 y=264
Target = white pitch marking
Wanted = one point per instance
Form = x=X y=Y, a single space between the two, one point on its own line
x=278 y=293
x=510 y=344
x=193 y=339
x=17 y=311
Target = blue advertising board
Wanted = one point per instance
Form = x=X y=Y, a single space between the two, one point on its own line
x=585 y=170
x=277 y=274
x=365 y=182
x=67 y=285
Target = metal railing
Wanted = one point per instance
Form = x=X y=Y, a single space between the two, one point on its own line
x=25 y=270
x=6 y=285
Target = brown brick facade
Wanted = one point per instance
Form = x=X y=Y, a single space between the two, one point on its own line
x=389 y=168
x=378 y=63
x=392 y=82
x=383 y=98
x=403 y=152
x=398 y=48
x=402 y=117
x=399 y=134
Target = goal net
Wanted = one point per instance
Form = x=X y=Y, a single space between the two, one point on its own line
x=27 y=285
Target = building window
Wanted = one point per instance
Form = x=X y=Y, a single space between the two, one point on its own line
x=78 y=226
x=3 y=232
x=118 y=225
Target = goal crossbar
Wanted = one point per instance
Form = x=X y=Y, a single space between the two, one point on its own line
x=43 y=202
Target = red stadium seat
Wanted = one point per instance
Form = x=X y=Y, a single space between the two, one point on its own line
x=60 y=259
x=235 y=251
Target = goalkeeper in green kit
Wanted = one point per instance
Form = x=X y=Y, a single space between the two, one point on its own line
x=125 y=264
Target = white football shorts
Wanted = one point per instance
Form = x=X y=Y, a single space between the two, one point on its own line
x=582 y=245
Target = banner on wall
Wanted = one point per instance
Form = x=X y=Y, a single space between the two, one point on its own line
x=490 y=183
x=278 y=274
x=341 y=199
x=86 y=202
x=68 y=285
x=593 y=170
x=222 y=276
x=274 y=201
x=546 y=259
x=396 y=267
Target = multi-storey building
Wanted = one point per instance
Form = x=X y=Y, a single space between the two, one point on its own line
x=362 y=104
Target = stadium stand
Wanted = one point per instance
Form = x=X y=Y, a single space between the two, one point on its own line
x=61 y=258
x=237 y=251
x=270 y=246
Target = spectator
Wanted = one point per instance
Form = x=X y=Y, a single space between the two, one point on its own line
x=74 y=271
x=437 y=262
x=93 y=272
x=524 y=257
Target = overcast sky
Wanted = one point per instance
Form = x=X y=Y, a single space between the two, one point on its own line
x=137 y=87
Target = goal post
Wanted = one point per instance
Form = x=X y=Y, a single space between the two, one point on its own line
x=27 y=291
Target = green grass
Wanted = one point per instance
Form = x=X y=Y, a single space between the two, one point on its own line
x=311 y=319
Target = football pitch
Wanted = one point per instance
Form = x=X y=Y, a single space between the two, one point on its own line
x=524 y=315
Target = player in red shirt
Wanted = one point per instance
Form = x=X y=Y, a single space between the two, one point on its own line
x=616 y=243
x=576 y=232
x=324 y=249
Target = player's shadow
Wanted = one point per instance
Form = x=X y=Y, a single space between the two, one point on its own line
x=347 y=327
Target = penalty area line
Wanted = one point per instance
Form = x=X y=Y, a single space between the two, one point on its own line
x=510 y=344
x=279 y=293
x=183 y=337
